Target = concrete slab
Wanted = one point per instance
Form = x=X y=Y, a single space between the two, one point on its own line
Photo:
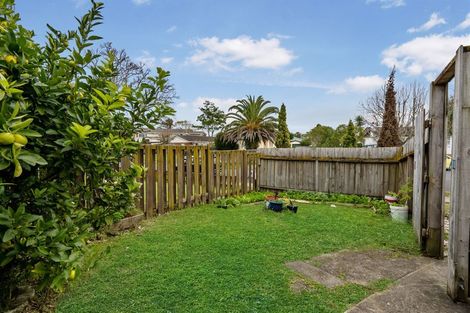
x=313 y=273
x=364 y=267
x=423 y=291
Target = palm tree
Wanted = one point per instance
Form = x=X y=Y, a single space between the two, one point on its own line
x=253 y=121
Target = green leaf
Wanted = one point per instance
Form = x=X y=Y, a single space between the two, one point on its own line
x=31 y=158
x=4 y=164
x=9 y=235
x=39 y=268
x=29 y=133
x=21 y=124
x=82 y=131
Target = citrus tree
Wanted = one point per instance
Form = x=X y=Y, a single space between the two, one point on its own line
x=64 y=127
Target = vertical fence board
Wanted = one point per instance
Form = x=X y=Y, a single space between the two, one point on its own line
x=203 y=156
x=197 y=186
x=189 y=177
x=171 y=178
x=150 y=181
x=180 y=175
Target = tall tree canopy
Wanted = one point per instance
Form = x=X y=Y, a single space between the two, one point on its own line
x=212 y=118
x=410 y=98
x=252 y=121
x=389 y=136
x=350 y=139
x=283 y=134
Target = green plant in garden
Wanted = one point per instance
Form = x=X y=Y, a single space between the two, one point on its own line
x=379 y=206
x=64 y=127
x=404 y=193
x=222 y=143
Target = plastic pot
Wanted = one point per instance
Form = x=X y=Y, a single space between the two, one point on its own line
x=399 y=213
x=293 y=208
x=276 y=206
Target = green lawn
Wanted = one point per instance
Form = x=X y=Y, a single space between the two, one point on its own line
x=208 y=259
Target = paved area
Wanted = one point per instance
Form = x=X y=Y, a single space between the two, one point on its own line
x=423 y=291
x=420 y=282
x=316 y=274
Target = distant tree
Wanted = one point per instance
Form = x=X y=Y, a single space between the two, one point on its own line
x=222 y=143
x=359 y=123
x=389 y=136
x=168 y=123
x=349 y=139
x=305 y=142
x=283 y=135
x=322 y=136
x=154 y=105
x=184 y=124
x=450 y=115
x=212 y=118
x=409 y=98
x=252 y=121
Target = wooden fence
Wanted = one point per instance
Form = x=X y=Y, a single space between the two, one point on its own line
x=362 y=171
x=182 y=176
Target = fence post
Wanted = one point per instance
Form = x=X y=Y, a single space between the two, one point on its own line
x=437 y=148
x=458 y=283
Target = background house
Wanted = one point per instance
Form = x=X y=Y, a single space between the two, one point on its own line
x=295 y=142
x=191 y=140
x=173 y=136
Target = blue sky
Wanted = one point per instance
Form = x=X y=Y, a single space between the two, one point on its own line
x=321 y=58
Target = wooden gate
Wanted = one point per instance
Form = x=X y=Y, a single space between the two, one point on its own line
x=428 y=219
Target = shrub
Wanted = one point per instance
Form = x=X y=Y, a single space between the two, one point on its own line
x=221 y=143
x=64 y=127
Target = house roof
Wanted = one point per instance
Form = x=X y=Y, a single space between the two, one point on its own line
x=196 y=138
x=173 y=131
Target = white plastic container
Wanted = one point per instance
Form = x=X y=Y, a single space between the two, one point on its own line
x=399 y=213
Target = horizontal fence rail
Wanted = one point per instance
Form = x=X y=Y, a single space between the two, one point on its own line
x=183 y=176
x=361 y=171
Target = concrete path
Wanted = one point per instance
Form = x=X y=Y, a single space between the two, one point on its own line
x=423 y=291
x=420 y=283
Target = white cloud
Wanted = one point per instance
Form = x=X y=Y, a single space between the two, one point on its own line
x=80 y=3
x=364 y=83
x=434 y=20
x=171 y=29
x=227 y=53
x=166 y=60
x=387 y=4
x=190 y=110
x=293 y=71
x=141 y=2
x=423 y=55
x=147 y=59
x=358 y=84
x=222 y=103
x=280 y=36
x=464 y=24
